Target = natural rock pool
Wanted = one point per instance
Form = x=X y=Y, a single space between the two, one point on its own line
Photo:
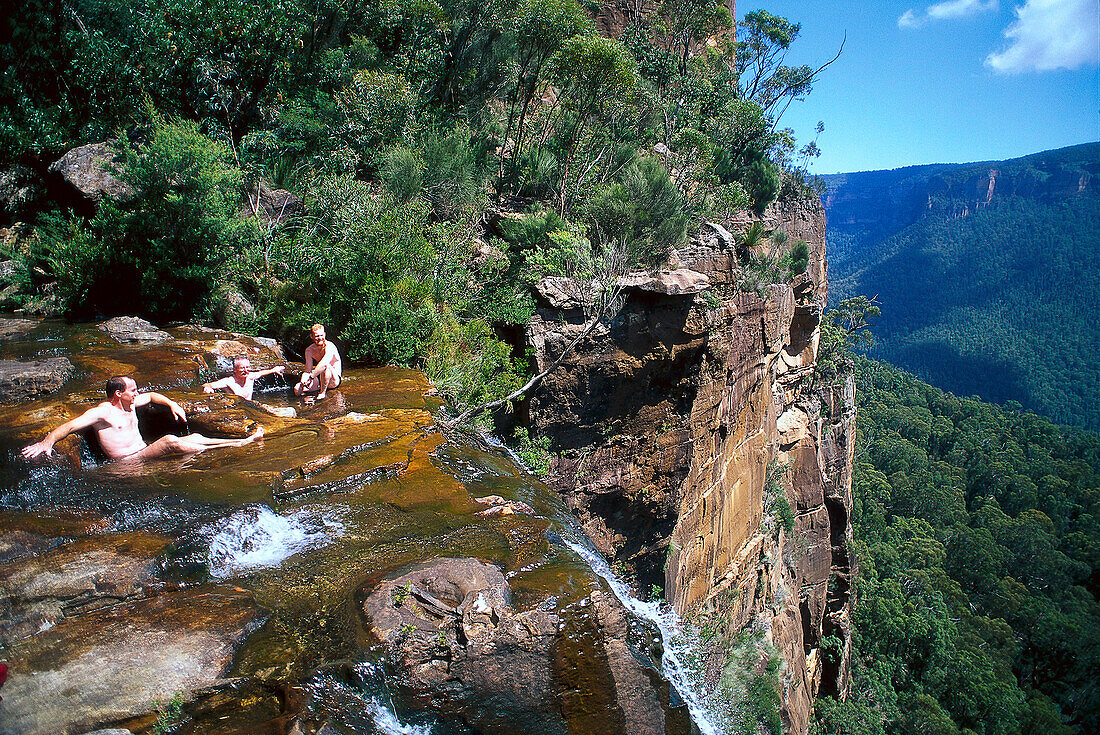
x=353 y=572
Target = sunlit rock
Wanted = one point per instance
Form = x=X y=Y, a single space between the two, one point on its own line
x=21 y=380
x=121 y=661
x=134 y=329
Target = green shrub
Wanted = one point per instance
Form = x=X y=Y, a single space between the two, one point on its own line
x=799 y=258
x=403 y=172
x=535 y=453
x=467 y=363
x=161 y=252
x=643 y=208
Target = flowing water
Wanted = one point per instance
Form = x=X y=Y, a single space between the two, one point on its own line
x=282 y=539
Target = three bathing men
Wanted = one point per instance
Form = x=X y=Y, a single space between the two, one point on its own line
x=115 y=420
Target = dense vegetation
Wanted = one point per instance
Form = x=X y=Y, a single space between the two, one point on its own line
x=981 y=299
x=978 y=537
x=399 y=123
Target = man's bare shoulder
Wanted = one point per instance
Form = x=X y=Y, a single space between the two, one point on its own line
x=100 y=412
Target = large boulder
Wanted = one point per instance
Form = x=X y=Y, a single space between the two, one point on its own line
x=93 y=173
x=465 y=652
x=22 y=380
x=134 y=329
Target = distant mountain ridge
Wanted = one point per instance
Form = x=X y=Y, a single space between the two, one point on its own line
x=987 y=274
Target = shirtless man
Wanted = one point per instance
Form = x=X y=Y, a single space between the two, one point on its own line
x=242 y=381
x=115 y=423
x=324 y=370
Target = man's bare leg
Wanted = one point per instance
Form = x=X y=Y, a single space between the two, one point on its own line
x=325 y=381
x=192 y=444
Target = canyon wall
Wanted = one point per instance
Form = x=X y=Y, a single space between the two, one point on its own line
x=679 y=428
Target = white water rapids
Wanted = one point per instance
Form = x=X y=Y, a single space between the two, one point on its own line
x=257 y=537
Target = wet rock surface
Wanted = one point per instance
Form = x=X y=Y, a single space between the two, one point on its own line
x=467 y=653
x=118 y=662
x=229 y=579
x=21 y=380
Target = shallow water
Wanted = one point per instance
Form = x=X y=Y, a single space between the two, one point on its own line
x=331 y=502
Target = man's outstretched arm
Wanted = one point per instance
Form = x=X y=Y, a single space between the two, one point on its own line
x=157 y=398
x=215 y=385
x=277 y=369
x=83 y=421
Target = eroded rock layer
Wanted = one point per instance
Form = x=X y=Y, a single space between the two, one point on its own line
x=677 y=429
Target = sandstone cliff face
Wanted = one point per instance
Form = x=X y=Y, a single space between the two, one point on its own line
x=671 y=425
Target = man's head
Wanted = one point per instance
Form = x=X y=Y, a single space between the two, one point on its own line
x=121 y=388
x=317 y=334
x=241 y=365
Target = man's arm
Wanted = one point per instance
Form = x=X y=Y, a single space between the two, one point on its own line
x=216 y=385
x=151 y=397
x=83 y=421
x=261 y=373
x=309 y=365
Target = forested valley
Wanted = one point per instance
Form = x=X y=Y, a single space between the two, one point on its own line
x=983 y=274
x=979 y=547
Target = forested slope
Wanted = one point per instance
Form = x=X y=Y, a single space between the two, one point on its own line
x=984 y=275
x=979 y=548
x=443 y=156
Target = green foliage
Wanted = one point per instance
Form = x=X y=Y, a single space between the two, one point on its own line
x=777 y=509
x=643 y=208
x=394 y=122
x=161 y=251
x=977 y=592
x=170 y=714
x=534 y=452
x=468 y=365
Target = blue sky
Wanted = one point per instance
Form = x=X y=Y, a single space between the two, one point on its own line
x=944 y=82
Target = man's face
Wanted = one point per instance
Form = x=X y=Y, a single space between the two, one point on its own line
x=241 y=368
x=127 y=397
x=318 y=337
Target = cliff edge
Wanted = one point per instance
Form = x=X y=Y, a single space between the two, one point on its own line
x=694 y=446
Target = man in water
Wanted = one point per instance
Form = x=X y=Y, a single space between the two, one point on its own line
x=115 y=423
x=324 y=370
x=243 y=380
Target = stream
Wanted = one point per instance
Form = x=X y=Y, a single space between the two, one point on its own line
x=237 y=590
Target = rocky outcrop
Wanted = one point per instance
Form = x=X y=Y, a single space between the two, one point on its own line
x=682 y=428
x=21 y=380
x=92 y=173
x=467 y=653
x=134 y=329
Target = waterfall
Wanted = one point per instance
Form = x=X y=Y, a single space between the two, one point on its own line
x=676 y=644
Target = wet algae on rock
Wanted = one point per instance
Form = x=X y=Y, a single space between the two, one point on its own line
x=355 y=568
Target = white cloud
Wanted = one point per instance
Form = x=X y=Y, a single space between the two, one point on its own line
x=948 y=10
x=908 y=19
x=1050 y=34
x=959 y=8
